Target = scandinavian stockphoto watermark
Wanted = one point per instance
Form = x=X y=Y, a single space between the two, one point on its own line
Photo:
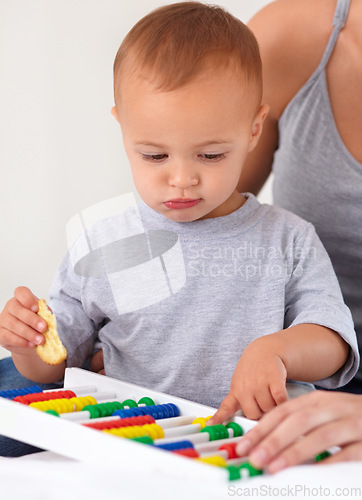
x=293 y=491
x=247 y=260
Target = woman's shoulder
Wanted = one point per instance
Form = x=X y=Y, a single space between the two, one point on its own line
x=292 y=36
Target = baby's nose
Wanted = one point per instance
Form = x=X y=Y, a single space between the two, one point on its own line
x=183 y=177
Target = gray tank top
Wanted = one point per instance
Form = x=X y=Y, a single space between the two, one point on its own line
x=316 y=177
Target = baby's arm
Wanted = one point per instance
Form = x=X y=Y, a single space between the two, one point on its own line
x=20 y=329
x=304 y=352
x=310 y=352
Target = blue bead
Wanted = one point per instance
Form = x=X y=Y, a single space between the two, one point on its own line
x=176 y=411
x=155 y=412
x=178 y=445
x=11 y=394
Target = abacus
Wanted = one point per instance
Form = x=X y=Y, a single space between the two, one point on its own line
x=87 y=418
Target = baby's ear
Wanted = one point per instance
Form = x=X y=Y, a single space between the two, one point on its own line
x=115 y=113
x=257 y=126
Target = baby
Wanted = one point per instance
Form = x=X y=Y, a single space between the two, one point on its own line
x=204 y=293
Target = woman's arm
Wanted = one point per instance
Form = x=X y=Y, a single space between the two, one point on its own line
x=292 y=36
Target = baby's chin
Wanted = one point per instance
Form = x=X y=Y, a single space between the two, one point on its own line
x=184 y=215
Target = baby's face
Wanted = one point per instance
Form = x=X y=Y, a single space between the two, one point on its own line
x=186 y=147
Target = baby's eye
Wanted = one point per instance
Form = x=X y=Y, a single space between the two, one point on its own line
x=156 y=158
x=212 y=157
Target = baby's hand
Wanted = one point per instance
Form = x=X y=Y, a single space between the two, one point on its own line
x=258 y=383
x=20 y=326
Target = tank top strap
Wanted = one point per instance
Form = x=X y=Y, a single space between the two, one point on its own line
x=340 y=16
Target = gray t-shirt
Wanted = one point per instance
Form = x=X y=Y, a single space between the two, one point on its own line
x=175 y=304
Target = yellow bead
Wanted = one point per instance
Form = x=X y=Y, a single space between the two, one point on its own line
x=201 y=421
x=214 y=460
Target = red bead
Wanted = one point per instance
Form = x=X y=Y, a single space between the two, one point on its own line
x=44 y=396
x=122 y=422
x=187 y=452
x=230 y=449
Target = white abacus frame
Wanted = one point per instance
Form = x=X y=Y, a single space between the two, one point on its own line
x=75 y=441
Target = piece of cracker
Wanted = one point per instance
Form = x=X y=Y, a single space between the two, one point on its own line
x=52 y=351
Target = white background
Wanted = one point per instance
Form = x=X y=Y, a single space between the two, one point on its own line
x=60 y=148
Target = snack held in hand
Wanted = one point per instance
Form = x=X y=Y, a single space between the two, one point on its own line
x=52 y=351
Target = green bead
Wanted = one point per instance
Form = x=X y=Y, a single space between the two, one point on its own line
x=237 y=429
x=131 y=403
x=252 y=470
x=146 y=401
x=93 y=410
x=53 y=412
x=234 y=472
x=143 y=439
x=322 y=456
x=216 y=432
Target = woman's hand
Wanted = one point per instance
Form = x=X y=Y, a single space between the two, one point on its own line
x=323 y=418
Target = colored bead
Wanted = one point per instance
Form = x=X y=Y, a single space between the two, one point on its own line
x=52 y=412
x=130 y=403
x=59 y=405
x=44 y=396
x=152 y=430
x=234 y=472
x=146 y=401
x=236 y=428
x=230 y=449
x=156 y=411
x=143 y=439
x=322 y=456
x=201 y=421
x=121 y=422
x=253 y=471
x=214 y=460
x=216 y=432
x=80 y=402
x=13 y=393
x=103 y=409
x=177 y=445
x=187 y=452
x=242 y=471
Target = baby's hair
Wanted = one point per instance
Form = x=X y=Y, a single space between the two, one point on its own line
x=173 y=44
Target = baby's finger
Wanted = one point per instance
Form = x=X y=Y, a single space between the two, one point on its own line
x=11 y=341
x=226 y=410
x=279 y=392
x=251 y=408
x=16 y=309
x=26 y=298
x=20 y=329
x=265 y=400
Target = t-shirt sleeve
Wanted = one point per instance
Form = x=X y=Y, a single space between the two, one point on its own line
x=77 y=331
x=313 y=295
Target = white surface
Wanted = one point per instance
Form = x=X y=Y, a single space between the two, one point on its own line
x=46 y=476
x=60 y=149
